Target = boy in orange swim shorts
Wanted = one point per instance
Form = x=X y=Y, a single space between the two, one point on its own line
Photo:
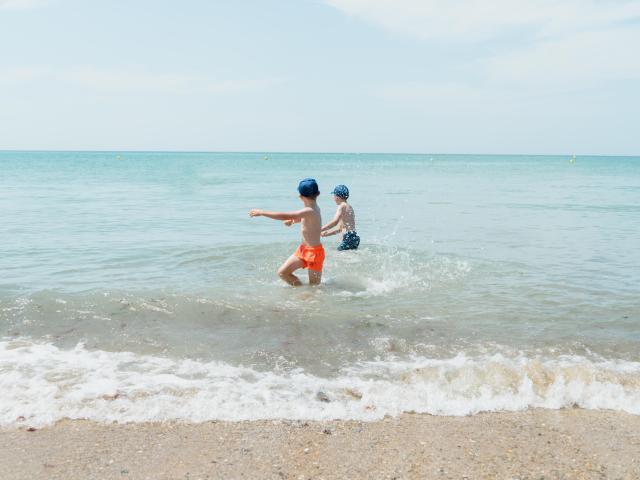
x=310 y=253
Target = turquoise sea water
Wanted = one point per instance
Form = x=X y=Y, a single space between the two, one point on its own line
x=135 y=287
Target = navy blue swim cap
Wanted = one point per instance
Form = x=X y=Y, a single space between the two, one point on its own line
x=308 y=188
x=341 y=191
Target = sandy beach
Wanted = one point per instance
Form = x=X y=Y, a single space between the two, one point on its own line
x=536 y=444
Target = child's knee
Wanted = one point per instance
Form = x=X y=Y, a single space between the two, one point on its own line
x=282 y=272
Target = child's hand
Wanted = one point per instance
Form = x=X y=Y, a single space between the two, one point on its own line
x=324 y=234
x=288 y=223
x=256 y=212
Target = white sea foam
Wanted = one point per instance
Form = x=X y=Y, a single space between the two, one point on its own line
x=43 y=384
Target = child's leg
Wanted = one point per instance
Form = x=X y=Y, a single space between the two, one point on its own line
x=288 y=267
x=315 y=277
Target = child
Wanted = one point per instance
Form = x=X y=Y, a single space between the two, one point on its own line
x=345 y=219
x=310 y=253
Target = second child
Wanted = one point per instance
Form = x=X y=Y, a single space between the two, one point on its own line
x=345 y=220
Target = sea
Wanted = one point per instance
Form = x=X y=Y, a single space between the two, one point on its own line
x=135 y=287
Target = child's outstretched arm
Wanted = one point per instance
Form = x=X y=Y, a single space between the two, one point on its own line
x=333 y=222
x=295 y=216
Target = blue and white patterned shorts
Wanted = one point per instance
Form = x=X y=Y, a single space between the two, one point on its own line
x=350 y=241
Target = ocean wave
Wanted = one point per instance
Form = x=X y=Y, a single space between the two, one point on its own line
x=42 y=384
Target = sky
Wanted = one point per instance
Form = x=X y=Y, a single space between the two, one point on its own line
x=418 y=76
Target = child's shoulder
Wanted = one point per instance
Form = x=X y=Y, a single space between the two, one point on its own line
x=312 y=209
x=306 y=211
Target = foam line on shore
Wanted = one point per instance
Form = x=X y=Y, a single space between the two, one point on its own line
x=42 y=384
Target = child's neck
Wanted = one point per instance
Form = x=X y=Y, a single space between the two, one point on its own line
x=309 y=202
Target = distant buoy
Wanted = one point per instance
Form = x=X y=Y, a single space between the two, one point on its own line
x=119 y=157
x=266 y=157
x=573 y=159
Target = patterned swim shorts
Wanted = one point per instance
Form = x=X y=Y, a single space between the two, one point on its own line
x=350 y=241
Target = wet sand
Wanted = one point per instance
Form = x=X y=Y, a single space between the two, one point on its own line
x=537 y=444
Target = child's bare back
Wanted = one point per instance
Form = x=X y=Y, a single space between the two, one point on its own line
x=347 y=218
x=310 y=226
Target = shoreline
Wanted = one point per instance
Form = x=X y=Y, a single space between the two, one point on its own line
x=533 y=444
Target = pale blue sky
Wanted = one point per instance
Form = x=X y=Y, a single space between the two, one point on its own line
x=441 y=76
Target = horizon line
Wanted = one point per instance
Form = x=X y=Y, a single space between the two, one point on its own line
x=267 y=152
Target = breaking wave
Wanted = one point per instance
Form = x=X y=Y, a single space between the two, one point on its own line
x=42 y=383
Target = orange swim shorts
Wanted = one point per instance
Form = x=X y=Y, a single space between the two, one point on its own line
x=312 y=257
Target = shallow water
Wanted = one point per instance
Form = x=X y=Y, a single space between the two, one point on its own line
x=135 y=286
